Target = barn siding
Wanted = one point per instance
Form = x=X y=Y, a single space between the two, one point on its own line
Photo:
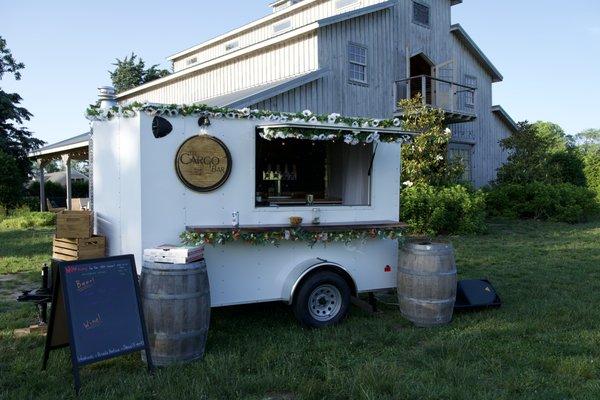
x=284 y=60
x=487 y=130
x=318 y=10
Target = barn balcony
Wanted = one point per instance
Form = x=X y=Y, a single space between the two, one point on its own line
x=457 y=100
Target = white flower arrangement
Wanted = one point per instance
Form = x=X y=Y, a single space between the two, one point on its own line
x=307 y=113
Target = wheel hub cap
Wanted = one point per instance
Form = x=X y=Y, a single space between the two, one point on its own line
x=325 y=302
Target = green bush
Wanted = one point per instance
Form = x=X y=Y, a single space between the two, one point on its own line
x=563 y=202
x=592 y=171
x=22 y=218
x=443 y=210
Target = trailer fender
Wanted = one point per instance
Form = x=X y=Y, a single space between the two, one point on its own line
x=299 y=272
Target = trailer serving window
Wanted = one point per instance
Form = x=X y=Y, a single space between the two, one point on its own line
x=296 y=172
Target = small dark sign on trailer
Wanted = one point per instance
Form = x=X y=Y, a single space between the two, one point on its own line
x=96 y=310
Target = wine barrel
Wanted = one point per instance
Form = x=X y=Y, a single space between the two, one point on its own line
x=176 y=302
x=427 y=283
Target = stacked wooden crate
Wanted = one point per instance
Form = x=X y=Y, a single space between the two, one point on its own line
x=74 y=239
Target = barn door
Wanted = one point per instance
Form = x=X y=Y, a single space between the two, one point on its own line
x=444 y=88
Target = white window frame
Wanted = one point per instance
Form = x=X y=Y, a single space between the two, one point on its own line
x=414 y=20
x=232 y=45
x=471 y=80
x=458 y=150
x=341 y=4
x=282 y=26
x=358 y=63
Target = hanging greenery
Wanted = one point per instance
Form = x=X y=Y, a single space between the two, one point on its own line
x=276 y=237
x=351 y=130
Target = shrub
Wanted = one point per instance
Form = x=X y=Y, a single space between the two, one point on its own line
x=592 y=171
x=563 y=202
x=443 y=210
x=23 y=218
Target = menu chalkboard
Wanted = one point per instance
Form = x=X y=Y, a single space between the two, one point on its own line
x=99 y=302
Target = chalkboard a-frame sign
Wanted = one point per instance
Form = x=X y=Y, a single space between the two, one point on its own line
x=97 y=312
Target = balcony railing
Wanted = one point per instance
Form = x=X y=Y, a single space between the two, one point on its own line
x=457 y=100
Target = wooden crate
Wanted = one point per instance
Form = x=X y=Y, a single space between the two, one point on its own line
x=74 y=225
x=79 y=249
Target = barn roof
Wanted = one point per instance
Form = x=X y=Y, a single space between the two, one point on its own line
x=464 y=37
x=505 y=117
x=247 y=97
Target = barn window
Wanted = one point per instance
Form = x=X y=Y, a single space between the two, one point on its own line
x=421 y=14
x=282 y=26
x=463 y=154
x=232 y=45
x=471 y=81
x=191 y=61
x=344 y=3
x=304 y=173
x=357 y=58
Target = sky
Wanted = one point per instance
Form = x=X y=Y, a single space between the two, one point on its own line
x=547 y=50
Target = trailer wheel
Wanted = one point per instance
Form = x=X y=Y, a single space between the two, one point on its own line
x=322 y=300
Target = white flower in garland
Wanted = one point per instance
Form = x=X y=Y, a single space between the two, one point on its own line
x=348 y=139
x=369 y=138
x=439 y=158
x=332 y=118
x=408 y=184
x=375 y=123
x=447 y=131
x=307 y=113
x=230 y=115
x=280 y=135
x=313 y=120
x=355 y=124
x=397 y=122
x=245 y=111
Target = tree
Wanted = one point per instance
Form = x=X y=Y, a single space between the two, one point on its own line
x=426 y=159
x=10 y=182
x=15 y=140
x=131 y=72
x=589 y=139
x=541 y=152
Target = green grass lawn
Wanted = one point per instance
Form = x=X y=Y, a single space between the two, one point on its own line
x=544 y=343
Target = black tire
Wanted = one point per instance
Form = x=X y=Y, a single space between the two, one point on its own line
x=333 y=305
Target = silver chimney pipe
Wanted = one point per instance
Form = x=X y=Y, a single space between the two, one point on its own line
x=107 y=96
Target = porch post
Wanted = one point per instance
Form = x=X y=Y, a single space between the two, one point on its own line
x=66 y=158
x=40 y=164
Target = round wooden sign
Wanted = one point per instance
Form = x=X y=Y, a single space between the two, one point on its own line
x=203 y=163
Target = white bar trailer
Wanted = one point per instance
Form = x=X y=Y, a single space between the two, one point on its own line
x=161 y=170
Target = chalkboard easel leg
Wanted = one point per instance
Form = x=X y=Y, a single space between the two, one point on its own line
x=76 y=380
x=149 y=362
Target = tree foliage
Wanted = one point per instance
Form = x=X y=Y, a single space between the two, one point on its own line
x=426 y=161
x=588 y=139
x=15 y=140
x=541 y=152
x=10 y=181
x=131 y=72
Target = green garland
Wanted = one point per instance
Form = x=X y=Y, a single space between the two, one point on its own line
x=95 y=113
x=276 y=237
